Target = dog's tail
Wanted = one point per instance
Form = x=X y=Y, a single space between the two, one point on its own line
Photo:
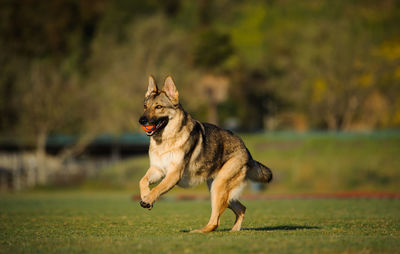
x=257 y=172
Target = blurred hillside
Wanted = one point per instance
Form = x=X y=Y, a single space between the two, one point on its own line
x=81 y=66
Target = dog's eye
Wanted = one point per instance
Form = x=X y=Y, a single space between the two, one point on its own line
x=158 y=107
x=145 y=106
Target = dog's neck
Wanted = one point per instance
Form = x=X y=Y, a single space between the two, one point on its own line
x=177 y=128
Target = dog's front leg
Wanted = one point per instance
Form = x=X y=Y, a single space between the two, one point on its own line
x=170 y=180
x=153 y=175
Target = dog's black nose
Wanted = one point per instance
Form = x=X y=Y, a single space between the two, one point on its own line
x=143 y=120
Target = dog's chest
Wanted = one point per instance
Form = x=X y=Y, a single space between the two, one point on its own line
x=168 y=160
x=164 y=161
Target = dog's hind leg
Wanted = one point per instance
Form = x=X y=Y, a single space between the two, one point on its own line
x=239 y=209
x=209 y=184
x=229 y=178
x=219 y=202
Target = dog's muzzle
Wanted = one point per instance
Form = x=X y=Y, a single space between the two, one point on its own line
x=151 y=127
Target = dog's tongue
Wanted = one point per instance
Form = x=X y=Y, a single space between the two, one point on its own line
x=148 y=128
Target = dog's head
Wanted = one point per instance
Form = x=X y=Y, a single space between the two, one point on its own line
x=160 y=106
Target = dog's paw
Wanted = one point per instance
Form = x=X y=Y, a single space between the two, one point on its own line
x=145 y=205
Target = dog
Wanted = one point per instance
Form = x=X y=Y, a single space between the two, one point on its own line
x=186 y=152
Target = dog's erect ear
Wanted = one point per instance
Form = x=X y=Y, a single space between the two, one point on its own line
x=152 y=86
x=170 y=89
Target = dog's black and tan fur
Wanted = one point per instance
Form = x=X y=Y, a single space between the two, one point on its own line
x=186 y=152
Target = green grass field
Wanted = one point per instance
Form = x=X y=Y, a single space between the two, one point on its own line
x=89 y=222
x=99 y=216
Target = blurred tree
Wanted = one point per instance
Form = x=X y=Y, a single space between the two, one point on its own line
x=310 y=59
x=253 y=65
x=47 y=102
x=332 y=64
x=44 y=49
x=120 y=70
x=345 y=74
x=57 y=33
x=212 y=49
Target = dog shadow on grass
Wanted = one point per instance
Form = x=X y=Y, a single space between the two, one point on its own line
x=270 y=228
x=282 y=227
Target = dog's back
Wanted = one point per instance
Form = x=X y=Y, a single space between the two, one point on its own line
x=210 y=147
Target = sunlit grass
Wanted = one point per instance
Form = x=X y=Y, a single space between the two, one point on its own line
x=111 y=223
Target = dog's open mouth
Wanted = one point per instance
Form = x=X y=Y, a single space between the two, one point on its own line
x=151 y=129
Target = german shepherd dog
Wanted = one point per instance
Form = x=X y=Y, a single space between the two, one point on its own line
x=186 y=152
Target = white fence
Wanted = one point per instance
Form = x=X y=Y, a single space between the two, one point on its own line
x=23 y=170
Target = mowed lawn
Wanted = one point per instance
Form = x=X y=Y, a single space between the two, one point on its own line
x=75 y=222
